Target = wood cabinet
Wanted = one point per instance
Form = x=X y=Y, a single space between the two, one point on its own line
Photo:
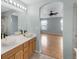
x=26 y=52
x=23 y=51
x=19 y=55
x=11 y=57
x=19 y=52
x=32 y=46
x=4 y=56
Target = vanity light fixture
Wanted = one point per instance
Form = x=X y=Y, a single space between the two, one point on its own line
x=10 y=1
x=18 y=5
x=25 y=8
x=22 y=7
x=14 y=3
x=6 y=1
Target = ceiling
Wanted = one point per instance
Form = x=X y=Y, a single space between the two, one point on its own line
x=39 y=2
x=55 y=7
x=30 y=1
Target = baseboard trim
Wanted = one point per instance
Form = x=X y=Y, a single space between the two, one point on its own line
x=51 y=33
x=36 y=51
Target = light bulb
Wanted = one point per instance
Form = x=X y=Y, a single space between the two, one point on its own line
x=10 y=1
x=5 y=0
x=14 y=3
x=22 y=7
x=18 y=5
x=25 y=8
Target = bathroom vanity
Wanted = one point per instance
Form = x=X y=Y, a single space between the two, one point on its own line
x=22 y=49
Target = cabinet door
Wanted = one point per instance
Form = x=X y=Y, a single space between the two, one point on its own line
x=26 y=55
x=31 y=48
x=11 y=57
x=19 y=55
x=34 y=45
x=4 y=56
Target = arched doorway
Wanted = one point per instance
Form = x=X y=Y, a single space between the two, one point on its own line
x=52 y=29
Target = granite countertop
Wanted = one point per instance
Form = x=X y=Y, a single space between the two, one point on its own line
x=20 y=39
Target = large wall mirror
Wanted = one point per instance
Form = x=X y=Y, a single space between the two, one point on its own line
x=9 y=22
x=11 y=17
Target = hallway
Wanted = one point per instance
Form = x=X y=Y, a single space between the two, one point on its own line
x=52 y=45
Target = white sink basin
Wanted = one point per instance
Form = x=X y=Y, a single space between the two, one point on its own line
x=12 y=40
x=8 y=41
x=28 y=35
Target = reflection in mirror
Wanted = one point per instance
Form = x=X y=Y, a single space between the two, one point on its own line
x=9 y=22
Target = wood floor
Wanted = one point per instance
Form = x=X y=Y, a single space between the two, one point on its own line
x=40 y=56
x=52 y=45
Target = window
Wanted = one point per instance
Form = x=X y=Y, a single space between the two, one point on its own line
x=61 y=21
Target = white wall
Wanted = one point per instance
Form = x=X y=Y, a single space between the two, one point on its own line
x=75 y=25
x=67 y=31
x=33 y=23
x=22 y=21
x=53 y=25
